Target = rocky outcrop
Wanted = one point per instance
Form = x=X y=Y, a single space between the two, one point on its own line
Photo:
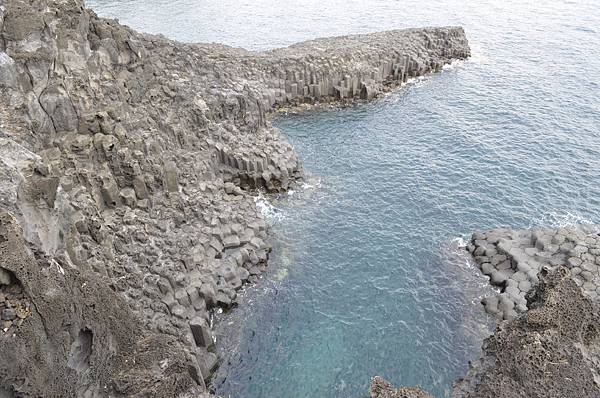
x=127 y=169
x=553 y=350
x=549 y=287
x=72 y=334
x=547 y=342
x=513 y=258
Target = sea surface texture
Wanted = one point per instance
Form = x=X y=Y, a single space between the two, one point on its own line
x=368 y=276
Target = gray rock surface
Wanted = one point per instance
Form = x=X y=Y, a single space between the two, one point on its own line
x=549 y=342
x=551 y=351
x=512 y=260
x=127 y=169
x=74 y=335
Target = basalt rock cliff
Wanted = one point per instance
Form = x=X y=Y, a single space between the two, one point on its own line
x=128 y=165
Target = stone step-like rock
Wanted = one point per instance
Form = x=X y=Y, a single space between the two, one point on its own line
x=522 y=254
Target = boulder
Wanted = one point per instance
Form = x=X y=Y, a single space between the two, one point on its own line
x=201 y=332
x=5 y=277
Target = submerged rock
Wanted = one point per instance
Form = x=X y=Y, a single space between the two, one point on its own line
x=380 y=388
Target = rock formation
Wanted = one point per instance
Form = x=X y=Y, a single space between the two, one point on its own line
x=127 y=168
x=547 y=342
x=549 y=287
x=512 y=260
x=553 y=350
x=70 y=334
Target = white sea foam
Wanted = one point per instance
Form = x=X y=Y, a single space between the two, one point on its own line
x=448 y=66
x=409 y=81
x=459 y=242
x=267 y=209
x=455 y=63
x=561 y=220
x=310 y=183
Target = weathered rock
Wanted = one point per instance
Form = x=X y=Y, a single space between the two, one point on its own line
x=550 y=351
x=207 y=291
x=202 y=333
x=8 y=314
x=82 y=317
x=521 y=254
x=5 y=278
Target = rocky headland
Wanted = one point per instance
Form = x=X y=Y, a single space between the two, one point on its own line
x=128 y=169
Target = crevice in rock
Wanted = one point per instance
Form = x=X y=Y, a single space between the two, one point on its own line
x=81 y=351
x=6 y=393
x=15 y=305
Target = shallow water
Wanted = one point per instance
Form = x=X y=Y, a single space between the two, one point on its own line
x=367 y=275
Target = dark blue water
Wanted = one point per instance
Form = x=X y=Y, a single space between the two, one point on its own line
x=368 y=276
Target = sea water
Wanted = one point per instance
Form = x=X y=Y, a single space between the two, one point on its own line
x=369 y=275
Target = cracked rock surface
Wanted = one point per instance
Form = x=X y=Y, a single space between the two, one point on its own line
x=128 y=164
x=512 y=260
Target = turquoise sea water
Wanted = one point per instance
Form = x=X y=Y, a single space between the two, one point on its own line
x=368 y=276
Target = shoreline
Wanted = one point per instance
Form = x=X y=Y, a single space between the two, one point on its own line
x=127 y=217
x=263 y=306
x=130 y=159
x=547 y=310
